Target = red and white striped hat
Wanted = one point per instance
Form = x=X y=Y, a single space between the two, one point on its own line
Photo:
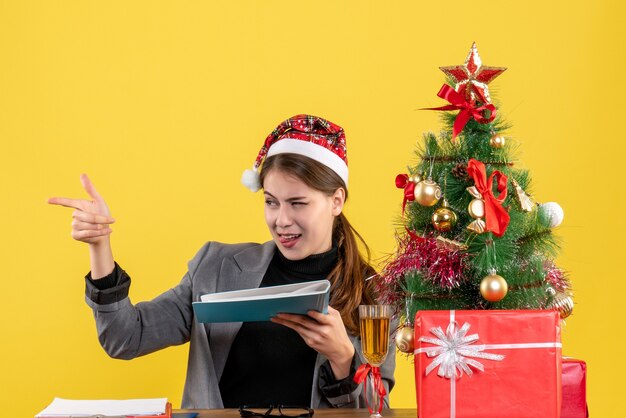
x=307 y=135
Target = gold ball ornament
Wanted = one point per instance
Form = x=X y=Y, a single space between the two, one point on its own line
x=404 y=339
x=415 y=178
x=497 y=141
x=427 y=193
x=444 y=218
x=493 y=288
x=562 y=302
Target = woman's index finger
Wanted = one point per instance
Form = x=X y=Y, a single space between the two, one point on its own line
x=67 y=202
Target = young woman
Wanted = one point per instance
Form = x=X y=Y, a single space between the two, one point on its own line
x=304 y=360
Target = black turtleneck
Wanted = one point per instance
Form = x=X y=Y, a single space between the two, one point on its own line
x=268 y=363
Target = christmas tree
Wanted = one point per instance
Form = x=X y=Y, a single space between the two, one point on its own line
x=471 y=235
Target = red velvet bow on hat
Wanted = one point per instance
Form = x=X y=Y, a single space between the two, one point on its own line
x=496 y=216
x=361 y=375
x=467 y=109
x=403 y=182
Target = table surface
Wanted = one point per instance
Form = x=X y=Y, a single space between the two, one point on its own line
x=338 y=413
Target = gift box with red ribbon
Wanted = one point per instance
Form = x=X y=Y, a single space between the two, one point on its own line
x=488 y=364
x=574 y=387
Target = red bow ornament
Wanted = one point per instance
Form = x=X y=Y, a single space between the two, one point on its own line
x=496 y=216
x=361 y=376
x=408 y=183
x=468 y=109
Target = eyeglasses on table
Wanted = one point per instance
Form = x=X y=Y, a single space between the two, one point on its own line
x=276 y=411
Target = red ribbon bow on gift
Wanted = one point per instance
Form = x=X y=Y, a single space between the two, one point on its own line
x=467 y=109
x=361 y=375
x=496 y=216
x=403 y=182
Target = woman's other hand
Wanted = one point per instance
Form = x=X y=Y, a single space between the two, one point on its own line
x=326 y=334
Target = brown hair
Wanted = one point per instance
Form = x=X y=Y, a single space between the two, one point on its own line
x=349 y=289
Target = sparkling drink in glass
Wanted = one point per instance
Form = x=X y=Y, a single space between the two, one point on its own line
x=374 y=324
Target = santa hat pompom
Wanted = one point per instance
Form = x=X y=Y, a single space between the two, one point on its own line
x=250 y=179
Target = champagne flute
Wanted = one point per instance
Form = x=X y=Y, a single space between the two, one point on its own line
x=374 y=324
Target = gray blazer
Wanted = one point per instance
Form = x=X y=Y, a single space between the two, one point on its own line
x=127 y=331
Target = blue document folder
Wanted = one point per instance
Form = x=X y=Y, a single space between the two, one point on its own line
x=263 y=303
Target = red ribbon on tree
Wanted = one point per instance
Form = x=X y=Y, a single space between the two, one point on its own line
x=403 y=182
x=361 y=375
x=467 y=109
x=496 y=216
x=414 y=236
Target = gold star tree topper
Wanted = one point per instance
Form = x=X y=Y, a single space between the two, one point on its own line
x=472 y=77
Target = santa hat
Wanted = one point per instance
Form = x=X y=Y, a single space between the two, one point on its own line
x=307 y=135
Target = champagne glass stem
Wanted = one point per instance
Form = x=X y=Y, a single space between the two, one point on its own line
x=375 y=398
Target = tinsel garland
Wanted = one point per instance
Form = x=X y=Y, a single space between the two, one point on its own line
x=556 y=277
x=442 y=267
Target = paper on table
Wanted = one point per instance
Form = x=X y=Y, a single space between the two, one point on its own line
x=66 y=407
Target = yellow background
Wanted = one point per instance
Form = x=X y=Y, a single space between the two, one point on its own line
x=164 y=104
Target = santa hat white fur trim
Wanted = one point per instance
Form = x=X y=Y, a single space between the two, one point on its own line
x=250 y=178
x=314 y=151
